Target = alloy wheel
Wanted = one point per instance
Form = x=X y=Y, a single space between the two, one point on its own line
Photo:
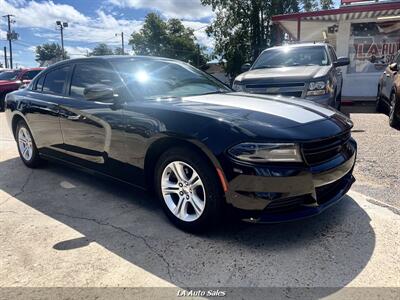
x=183 y=191
x=25 y=143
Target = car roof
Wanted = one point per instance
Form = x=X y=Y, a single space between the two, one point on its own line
x=112 y=58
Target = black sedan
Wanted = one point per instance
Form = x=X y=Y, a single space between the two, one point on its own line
x=163 y=125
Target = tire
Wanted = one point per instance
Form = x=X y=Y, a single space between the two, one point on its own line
x=26 y=145
x=2 y=102
x=180 y=197
x=339 y=102
x=379 y=108
x=394 y=111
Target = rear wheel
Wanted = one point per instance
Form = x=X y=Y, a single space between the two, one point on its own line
x=394 y=111
x=26 y=145
x=188 y=188
x=378 y=104
x=2 y=102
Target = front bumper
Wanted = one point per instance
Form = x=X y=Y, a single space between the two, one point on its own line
x=282 y=193
x=327 y=99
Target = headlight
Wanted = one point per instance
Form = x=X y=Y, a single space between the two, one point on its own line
x=266 y=152
x=317 y=88
x=238 y=87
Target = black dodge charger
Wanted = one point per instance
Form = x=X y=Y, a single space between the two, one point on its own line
x=163 y=125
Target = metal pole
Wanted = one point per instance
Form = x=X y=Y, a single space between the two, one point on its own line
x=123 y=48
x=62 y=41
x=9 y=38
x=5 y=58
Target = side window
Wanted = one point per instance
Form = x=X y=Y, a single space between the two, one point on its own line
x=55 y=80
x=86 y=75
x=39 y=84
x=30 y=74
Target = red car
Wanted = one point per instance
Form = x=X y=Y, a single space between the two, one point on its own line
x=12 y=80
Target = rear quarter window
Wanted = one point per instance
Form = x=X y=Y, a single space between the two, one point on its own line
x=55 y=81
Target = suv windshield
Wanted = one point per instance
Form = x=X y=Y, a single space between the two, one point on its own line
x=9 y=75
x=152 y=79
x=292 y=56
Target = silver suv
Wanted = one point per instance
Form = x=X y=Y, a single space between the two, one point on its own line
x=308 y=71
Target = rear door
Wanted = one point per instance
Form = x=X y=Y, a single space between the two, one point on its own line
x=92 y=131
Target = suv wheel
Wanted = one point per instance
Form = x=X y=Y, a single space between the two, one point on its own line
x=188 y=189
x=378 y=104
x=26 y=146
x=394 y=111
x=339 y=102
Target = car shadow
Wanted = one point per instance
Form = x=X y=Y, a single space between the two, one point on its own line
x=328 y=250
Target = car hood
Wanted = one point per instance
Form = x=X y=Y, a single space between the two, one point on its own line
x=6 y=82
x=256 y=116
x=294 y=73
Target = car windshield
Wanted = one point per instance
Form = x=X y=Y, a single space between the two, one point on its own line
x=9 y=75
x=292 y=56
x=152 y=79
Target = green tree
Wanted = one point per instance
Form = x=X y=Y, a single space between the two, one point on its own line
x=309 y=5
x=168 y=39
x=49 y=53
x=118 y=51
x=101 y=49
x=326 y=4
x=243 y=28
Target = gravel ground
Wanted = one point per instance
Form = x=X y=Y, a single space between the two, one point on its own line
x=378 y=163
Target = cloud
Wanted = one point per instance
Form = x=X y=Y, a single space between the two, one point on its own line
x=102 y=27
x=186 y=9
x=200 y=33
x=40 y=14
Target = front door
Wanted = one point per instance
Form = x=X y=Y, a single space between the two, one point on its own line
x=93 y=131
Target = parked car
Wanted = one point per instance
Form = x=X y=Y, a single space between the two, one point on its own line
x=163 y=125
x=309 y=71
x=11 y=80
x=388 y=98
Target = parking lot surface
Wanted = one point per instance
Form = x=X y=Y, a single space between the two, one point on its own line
x=64 y=228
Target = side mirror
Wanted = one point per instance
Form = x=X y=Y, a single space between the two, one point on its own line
x=245 y=67
x=99 y=92
x=394 y=67
x=341 y=61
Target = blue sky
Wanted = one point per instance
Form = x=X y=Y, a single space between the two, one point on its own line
x=90 y=22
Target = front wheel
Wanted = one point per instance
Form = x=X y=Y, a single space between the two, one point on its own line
x=339 y=101
x=189 y=190
x=394 y=112
x=26 y=146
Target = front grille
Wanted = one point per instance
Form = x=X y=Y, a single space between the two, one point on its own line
x=285 y=205
x=294 y=89
x=320 y=151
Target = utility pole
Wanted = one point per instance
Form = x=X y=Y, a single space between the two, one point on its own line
x=5 y=58
x=122 y=42
x=61 y=26
x=11 y=35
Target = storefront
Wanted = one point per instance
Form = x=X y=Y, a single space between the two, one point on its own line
x=368 y=32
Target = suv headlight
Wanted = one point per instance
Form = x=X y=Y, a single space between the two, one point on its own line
x=317 y=88
x=238 y=87
x=266 y=152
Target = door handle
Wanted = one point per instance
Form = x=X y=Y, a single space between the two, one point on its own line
x=76 y=118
